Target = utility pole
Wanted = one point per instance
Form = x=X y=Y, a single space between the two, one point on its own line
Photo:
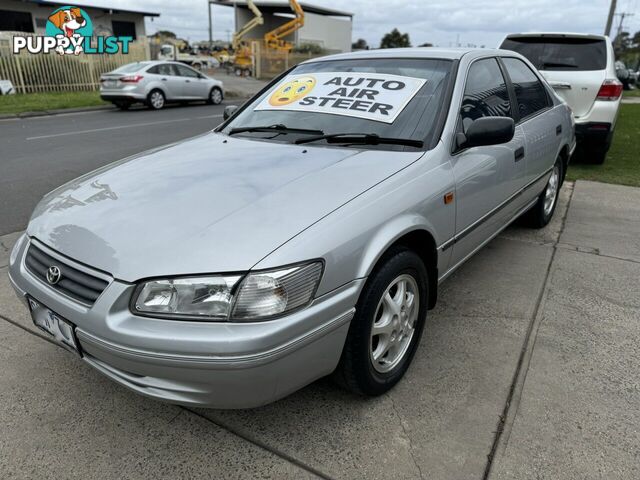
x=612 y=11
x=210 y=24
x=622 y=15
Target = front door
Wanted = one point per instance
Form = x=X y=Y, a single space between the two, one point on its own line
x=193 y=85
x=486 y=177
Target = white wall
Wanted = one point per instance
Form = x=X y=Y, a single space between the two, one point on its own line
x=333 y=33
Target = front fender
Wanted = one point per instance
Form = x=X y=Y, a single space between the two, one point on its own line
x=388 y=234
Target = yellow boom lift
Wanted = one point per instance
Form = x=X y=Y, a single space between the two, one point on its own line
x=243 y=63
x=275 y=38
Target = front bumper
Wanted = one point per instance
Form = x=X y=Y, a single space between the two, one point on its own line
x=207 y=364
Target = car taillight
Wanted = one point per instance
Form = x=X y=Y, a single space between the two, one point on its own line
x=610 y=90
x=131 y=79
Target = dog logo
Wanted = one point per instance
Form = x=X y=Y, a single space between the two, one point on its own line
x=53 y=275
x=292 y=91
x=72 y=23
x=69 y=31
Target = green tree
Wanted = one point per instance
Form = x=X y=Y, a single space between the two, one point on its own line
x=166 y=34
x=360 y=44
x=395 y=39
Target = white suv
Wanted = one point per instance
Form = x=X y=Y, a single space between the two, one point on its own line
x=581 y=69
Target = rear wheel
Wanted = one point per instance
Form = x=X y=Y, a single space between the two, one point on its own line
x=155 y=99
x=542 y=212
x=386 y=329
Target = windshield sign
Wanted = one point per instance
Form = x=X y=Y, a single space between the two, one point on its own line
x=378 y=97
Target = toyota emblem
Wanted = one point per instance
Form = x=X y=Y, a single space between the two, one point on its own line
x=53 y=275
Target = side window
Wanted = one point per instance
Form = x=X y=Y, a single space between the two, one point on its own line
x=530 y=92
x=186 y=71
x=485 y=94
x=162 y=69
x=165 y=69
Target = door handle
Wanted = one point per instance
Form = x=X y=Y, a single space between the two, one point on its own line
x=188 y=81
x=164 y=79
x=558 y=129
x=519 y=154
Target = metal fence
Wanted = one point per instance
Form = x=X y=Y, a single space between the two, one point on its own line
x=269 y=63
x=51 y=72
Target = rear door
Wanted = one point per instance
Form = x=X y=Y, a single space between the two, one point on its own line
x=575 y=67
x=168 y=78
x=541 y=126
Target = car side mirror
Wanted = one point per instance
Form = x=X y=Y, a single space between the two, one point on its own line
x=487 y=131
x=229 y=111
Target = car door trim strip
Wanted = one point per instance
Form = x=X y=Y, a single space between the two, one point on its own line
x=449 y=243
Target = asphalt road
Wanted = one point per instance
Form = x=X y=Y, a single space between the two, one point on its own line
x=40 y=153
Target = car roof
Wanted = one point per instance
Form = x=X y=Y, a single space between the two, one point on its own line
x=557 y=34
x=420 y=52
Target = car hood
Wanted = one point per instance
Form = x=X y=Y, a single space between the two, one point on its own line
x=209 y=204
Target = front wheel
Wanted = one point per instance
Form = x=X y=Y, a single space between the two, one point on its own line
x=155 y=99
x=215 y=96
x=542 y=212
x=386 y=329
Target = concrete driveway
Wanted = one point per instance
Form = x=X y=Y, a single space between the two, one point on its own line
x=528 y=369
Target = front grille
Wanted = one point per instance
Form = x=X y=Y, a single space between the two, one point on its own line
x=78 y=285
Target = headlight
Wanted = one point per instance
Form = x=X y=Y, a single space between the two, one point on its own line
x=258 y=296
x=191 y=297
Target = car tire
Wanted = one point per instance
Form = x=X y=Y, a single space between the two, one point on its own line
x=215 y=96
x=364 y=367
x=156 y=99
x=542 y=212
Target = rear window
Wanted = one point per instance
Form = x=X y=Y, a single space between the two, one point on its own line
x=130 y=68
x=567 y=54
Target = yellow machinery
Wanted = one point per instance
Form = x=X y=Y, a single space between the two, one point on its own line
x=274 y=39
x=243 y=63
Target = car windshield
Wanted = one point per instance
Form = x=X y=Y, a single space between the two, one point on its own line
x=130 y=67
x=398 y=98
x=556 y=53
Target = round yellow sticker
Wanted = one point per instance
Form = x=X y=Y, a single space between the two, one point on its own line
x=292 y=91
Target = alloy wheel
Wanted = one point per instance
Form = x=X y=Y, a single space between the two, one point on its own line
x=394 y=323
x=216 y=96
x=157 y=100
x=551 y=193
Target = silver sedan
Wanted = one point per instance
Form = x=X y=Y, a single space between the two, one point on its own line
x=157 y=83
x=305 y=236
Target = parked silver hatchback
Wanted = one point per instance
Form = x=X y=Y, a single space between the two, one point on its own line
x=157 y=83
x=305 y=236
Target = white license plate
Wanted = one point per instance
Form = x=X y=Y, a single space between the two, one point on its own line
x=60 y=329
x=109 y=83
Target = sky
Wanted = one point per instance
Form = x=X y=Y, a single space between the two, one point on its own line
x=443 y=23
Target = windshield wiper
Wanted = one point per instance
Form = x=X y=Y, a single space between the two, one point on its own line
x=277 y=128
x=362 y=139
x=558 y=65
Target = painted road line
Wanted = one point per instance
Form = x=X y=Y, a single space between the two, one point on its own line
x=94 y=130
